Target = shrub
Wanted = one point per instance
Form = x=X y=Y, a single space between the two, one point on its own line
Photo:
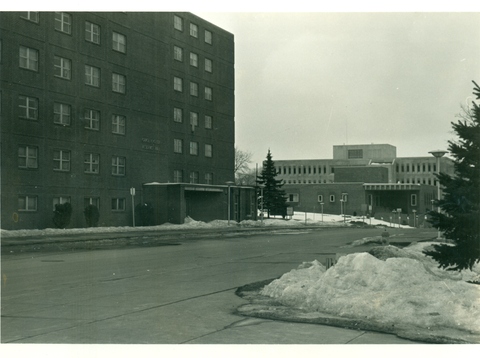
x=62 y=215
x=92 y=215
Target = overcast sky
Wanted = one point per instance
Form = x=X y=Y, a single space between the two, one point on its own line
x=308 y=81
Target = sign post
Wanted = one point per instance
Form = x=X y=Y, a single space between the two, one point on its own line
x=132 y=193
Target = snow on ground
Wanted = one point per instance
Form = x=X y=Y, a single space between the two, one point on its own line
x=298 y=219
x=404 y=291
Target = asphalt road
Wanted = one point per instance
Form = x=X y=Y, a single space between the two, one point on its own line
x=171 y=294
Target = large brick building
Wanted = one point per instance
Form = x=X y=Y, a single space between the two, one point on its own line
x=93 y=104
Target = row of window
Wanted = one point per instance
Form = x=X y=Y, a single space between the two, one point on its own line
x=424 y=168
x=63 y=23
x=295 y=198
x=193 y=148
x=178 y=56
x=30 y=202
x=178 y=24
x=426 y=181
x=304 y=169
x=178 y=86
x=178 y=117
x=193 y=177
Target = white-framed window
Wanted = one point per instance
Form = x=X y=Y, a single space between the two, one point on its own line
x=28 y=58
x=194 y=178
x=27 y=203
x=62 y=114
x=208 y=93
x=118 y=124
x=193 y=120
x=193 y=148
x=178 y=176
x=92 y=76
x=63 y=22
x=28 y=107
x=62 y=67
x=193 y=30
x=292 y=198
x=177 y=23
x=92 y=119
x=332 y=198
x=209 y=178
x=413 y=200
x=193 y=59
x=118 y=83
x=27 y=157
x=208 y=37
x=118 y=165
x=60 y=200
x=320 y=198
x=208 y=65
x=208 y=150
x=30 y=16
x=208 y=122
x=178 y=84
x=118 y=204
x=92 y=32
x=194 y=89
x=91 y=163
x=178 y=53
x=178 y=146
x=119 y=42
x=178 y=115
x=61 y=160
x=91 y=200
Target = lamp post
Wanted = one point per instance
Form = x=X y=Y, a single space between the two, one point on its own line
x=261 y=201
x=341 y=209
x=414 y=217
x=438 y=154
x=229 y=183
x=344 y=199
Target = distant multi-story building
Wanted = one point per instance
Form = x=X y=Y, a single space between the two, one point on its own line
x=94 y=104
x=363 y=179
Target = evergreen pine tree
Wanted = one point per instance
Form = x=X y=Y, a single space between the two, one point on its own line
x=460 y=217
x=274 y=200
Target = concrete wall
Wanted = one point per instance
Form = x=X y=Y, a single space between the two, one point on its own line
x=367 y=174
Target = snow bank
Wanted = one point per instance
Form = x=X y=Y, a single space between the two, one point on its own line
x=397 y=291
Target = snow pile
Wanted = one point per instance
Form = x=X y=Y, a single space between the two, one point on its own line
x=397 y=291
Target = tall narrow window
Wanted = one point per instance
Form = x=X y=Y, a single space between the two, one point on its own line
x=208 y=150
x=118 y=124
x=208 y=65
x=208 y=37
x=118 y=165
x=193 y=177
x=28 y=157
x=92 y=32
x=209 y=178
x=119 y=42
x=28 y=58
x=61 y=160
x=193 y=148
x=193 y=59
x=178 y=115
x=92 y=76
x=62 y=114
x=92 y=119
x=178 y=176
x=208 y=93
x=177 y=23
x=63 y=22
x=193 y=30
x=178 y=146
x=28 y=107
x=208 y=122
x=178 y=53
x=118 y=83
x=194 y=89
x=178 y=84
x=413 y=200
x=91 y=163
x=62 y=67
x=193 y=120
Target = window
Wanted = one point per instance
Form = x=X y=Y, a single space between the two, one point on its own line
x=208 y=37
x=91 y=201
x=62 y=114
x=30 y=16
x=193 y=120
x=413 y=200
x=118 y=124
x=119 y=42
x=91 y=163
x=194 y=148
x=60 y=200
x=193 y=30
x=208 y=122
x=118 y=165
x=332 y=198
x=320 y=198
x=193 y=177
x=355 y=153
x=62 y=68
x=177 y=53
x=118 y=83
x=61 y=160
x=177 y=23
x=63 y=22
x=118 y=204
x=208 y=150
x=208 y=65
x=27 y=203
x=208 y=93
x=293 y=198
x=28 y=157
x=177 y=176
x=92 y=119
x=177 y=84
x=178 y=146
x=92 y=76
x=28 y=107
x=193 y=59
x=194 y=89
x=92 y=32
x=178 y=115
x=209 y=178
x=28 y=58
